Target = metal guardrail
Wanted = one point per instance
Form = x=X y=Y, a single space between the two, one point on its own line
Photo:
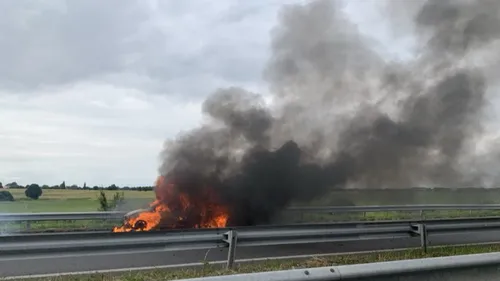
x=17 y=217
x=465 y=267
x=29 y=218
x=231 y=238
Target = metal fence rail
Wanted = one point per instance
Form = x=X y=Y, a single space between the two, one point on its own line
x=17 y=217
x=56 y=216
x=232 y=238
x=455 y=268
x=55 y=221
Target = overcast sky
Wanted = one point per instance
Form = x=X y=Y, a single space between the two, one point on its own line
x=90 y=89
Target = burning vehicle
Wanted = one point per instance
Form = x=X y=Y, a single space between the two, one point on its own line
x=139 y=224
x=174 y=209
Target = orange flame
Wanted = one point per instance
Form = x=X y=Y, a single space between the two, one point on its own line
x=175 y=209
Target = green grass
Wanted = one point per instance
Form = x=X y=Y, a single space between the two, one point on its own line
x=271 y=265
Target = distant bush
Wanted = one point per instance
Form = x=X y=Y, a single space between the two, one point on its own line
x=13 y=185
x=104 y=205
x=33 y=191
x=143 y=188
x=103 y=201
x=6 y=196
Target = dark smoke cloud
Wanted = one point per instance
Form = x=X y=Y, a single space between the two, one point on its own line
x=459 y=25
x=341 y=115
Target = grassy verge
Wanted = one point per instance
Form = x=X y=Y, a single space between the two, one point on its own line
x=212 y=270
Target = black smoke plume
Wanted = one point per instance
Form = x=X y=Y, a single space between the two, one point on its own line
x=342 y=115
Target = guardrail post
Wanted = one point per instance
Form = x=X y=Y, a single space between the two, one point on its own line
x=230 y=238
x=422 y=230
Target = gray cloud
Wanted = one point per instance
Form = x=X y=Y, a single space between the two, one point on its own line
x=65 y=41
x=155 y=46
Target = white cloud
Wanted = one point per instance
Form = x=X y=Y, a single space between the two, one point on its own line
x=91 y=133
x=90 y=89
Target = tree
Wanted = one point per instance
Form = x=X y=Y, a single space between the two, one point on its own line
x=1 y=186
x=12 y=185
x=63 y=185
x=6 y=196
x=33 y=191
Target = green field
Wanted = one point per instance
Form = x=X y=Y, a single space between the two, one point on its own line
x=60 y=200
x=214 y=270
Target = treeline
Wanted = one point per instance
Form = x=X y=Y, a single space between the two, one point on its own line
x=15 y=185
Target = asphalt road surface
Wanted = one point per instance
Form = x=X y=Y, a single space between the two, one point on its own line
x=89 y=262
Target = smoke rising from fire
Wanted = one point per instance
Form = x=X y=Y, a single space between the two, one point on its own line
x=342 y=115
